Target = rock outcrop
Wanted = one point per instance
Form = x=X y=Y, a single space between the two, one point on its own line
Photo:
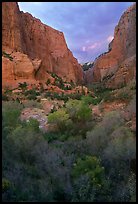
x=118 y=66
x=35 y=48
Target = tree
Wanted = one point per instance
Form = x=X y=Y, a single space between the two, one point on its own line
x=87 y=100
x=90 y=166
x=90 y=175
x=78 y=111
x=60 y=118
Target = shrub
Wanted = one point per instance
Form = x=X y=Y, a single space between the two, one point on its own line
x=67 y=88
x=50 y=136
x=53 y=75
x=59 y=82
x=96 y=185
x=90 y=165
x=5 y=184
x=76 y=96
x=98 y=138
x=62 y=96
x=32 y=104
x=24 y=139
x=7 y=55
x=96 y=100
x=78 y=111
x=11 y=112
x=72 y=84
x=47 y=94
x=54 y=95
x=5 y=97
x=31 y=94
x=107 y=96
x=23 y=86
x=122 y=146
x=117 y=157
x=112 y=120
x=82 y=190
x=8 y=91
x=53 y=109
x=41 y=88
x=125 y=94
x=87 y=99
x=33 y=125
x=31 y=97
x=132 y=85
x=131 y=108
x=48 y=82
x=60 y=118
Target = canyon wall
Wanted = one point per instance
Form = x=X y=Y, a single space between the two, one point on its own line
x=34 y=48
x=118 y=66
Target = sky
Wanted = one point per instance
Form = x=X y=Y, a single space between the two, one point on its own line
x=88 y=27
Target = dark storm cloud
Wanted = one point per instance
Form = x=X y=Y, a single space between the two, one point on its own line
x=88 y=26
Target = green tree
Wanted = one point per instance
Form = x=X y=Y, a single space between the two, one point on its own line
x=90 y=166
x=89 y=171
x=60 y=118
x=87 y=100
x=78 y=111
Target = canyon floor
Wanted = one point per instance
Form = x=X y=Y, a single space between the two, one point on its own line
x=50 y=136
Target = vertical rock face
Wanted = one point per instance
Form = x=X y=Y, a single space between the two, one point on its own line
x=118 y=66
x=26 y=35
x=11 y=30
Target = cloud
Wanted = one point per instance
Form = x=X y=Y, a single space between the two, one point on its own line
x=94 y=46
x=110 y=38
x=83 y=48
x=91 y=46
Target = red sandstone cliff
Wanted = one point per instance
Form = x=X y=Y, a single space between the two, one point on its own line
x=35 y=48
x=118 y=66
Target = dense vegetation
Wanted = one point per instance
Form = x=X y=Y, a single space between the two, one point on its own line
x=80 y=160
x=59 y=82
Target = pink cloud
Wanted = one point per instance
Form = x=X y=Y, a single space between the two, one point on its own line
x=110 y=38
x=83 y=48
x=93 y=46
